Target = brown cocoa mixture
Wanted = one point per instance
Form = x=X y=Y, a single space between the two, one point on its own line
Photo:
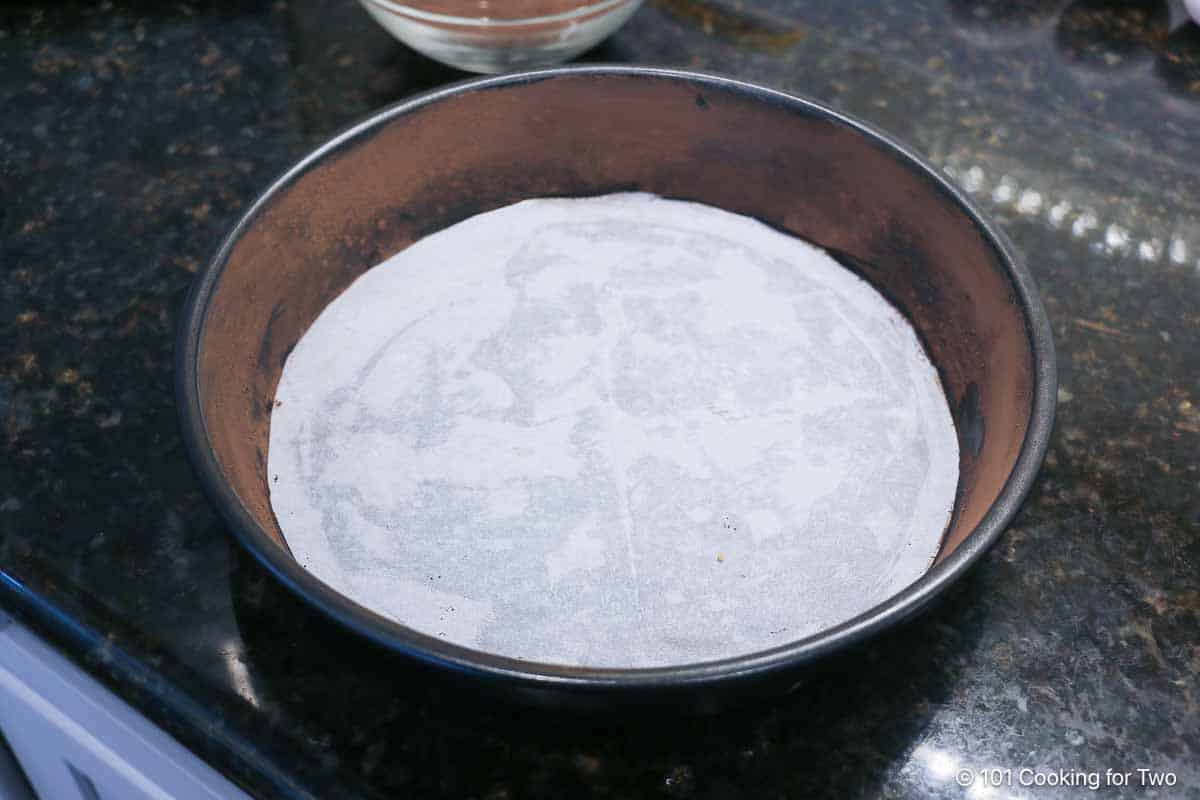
x=500 y=9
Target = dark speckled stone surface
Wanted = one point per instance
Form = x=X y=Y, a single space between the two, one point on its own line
x=134 y=133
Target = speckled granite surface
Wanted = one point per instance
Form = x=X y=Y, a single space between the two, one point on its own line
x=134 y=133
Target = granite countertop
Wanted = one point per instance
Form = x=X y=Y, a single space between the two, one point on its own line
x=134 y=134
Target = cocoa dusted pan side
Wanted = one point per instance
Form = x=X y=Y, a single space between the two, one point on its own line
x=424 y=164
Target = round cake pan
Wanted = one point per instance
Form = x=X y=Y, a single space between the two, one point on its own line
x=428 y=162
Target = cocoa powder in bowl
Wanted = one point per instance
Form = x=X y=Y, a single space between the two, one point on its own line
x=501 y=35
x=503 y=9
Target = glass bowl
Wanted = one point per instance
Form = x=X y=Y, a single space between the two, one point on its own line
x=500 y=35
